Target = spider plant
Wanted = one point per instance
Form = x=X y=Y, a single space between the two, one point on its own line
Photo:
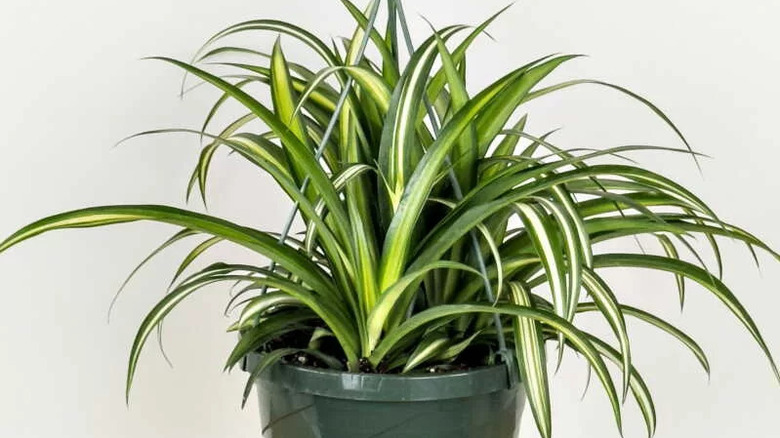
x=436 y=228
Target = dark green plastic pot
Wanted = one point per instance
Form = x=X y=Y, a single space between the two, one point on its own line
x=311 y=403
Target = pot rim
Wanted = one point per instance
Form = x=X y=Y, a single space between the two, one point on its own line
x=386 y=387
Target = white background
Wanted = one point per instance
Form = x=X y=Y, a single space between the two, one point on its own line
x=71 y=86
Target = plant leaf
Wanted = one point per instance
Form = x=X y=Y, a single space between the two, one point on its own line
x=183 y=234
x=532 y=362
x=561 y=325
x=671 y=252
x=696 y=274
x=389 y=298
x=661 y=324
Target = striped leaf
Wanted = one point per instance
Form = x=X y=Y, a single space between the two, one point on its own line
x=392 y=295
x=671 y=252
x=561 y=325
x=183 y=234
x=532 y=362
x=550 y=252
x=696 y=274
x=610 y=308
x=661 y=324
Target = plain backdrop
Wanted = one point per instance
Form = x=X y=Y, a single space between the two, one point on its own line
x=71 y=85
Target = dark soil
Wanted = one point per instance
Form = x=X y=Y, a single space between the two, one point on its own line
x=473 y=357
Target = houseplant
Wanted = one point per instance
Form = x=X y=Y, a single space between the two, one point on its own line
x=387 y=270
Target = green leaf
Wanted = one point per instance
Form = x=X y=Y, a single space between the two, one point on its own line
x=266 y=361
x=578 y=338
x=507 y=145
x=252 y=239
x=297 y=151
x=610 y=308
x=575 y=239
x=389 y=66
x=338 y=321
x=194 y=254
x=285 y=102
x=466 y=153
x=333 y=313
x=671 y=252
x=369 y=81
x=494 y=250
x=257 y=306
x=454 y=350
x=661 y=324
x=427 y=348
x=269 y=359
x=273 y=26
x=261 y=153
x=200 y=174
x=157 y=314
x=266 y=330
x=547 y=245
x=638 y=386
x=401 y=124
x=183 y=234
x=636 y=225
x=459 y=54
x=510 y=265
x=389 y=297
x=495 y=117
x=220 y=102
x=696 y=274
x=627 y=92
x=398 y=240
x=532 y=362
x=501 y=193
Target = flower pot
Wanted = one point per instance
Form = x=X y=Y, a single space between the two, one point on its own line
x=300 y=402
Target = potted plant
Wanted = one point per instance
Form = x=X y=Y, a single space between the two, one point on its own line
x=443 y=246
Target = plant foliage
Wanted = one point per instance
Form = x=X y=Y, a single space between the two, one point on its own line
x=408 y=184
